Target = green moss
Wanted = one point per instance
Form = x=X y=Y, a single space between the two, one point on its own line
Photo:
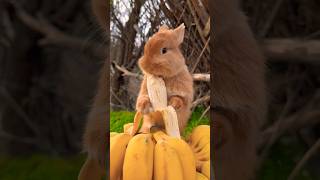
x=119 y=118
x=196 y=121
x=40 y=167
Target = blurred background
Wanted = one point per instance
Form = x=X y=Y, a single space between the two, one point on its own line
x=51 y=53
x=289 y=33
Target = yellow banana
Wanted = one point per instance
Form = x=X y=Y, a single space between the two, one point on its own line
x=185 y=154
x=112 y=134
x=199 y=141
x=127 y=128
x=204 y=153
x=167 y=165
x=202 y=156
x=201 y=176
x=205 y=169
x=198 y=145
x=118 y=145
x=200 y=136
x=138 y=161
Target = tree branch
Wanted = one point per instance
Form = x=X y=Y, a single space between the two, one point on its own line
x=201 y=77
x=20 y=112
x=11 y=137
x=312 y=151
x=196 y=77
x=53 y=36
x=276 y=50
x=201 y=100
x=308 y=116
x=292 y=50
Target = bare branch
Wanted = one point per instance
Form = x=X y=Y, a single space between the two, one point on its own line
x=271 y=18
x=53 y=36
x=11 y=137
x=292 y=50
x=308 y=116
x=201 y=100
x=15 y=106
x=125 y=72
x=312 y=151
x=204 y=113
x=201 y=77
x=200 y=56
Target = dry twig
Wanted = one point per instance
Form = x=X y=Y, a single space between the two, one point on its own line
x=16 y=107
x=53 y=36
x=196 y=77
x=312 y=151
x=201 y=100
x=200 y=56
x=271 y=18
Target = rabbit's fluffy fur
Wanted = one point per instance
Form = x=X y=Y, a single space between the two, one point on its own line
x=162 y=57
x=239 y=96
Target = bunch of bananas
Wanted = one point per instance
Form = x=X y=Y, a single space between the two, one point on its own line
x=159 y=156
x=199 y=141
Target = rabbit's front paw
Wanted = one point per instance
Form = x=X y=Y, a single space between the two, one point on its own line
x=176 y=102
x=143 y=105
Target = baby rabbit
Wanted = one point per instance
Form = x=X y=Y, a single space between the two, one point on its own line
x=162 y=57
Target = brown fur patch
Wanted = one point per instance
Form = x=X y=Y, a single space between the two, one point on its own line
x=171 y=66
x=239 y=92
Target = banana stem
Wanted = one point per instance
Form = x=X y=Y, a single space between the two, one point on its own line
x=171 y=122
x=159 y=136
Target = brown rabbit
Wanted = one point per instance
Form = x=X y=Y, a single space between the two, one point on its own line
x=95 y=138
x=162 y=57
x=239 y=96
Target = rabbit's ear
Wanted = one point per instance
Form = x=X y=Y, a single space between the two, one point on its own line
x=163 y=27
x=179 y=32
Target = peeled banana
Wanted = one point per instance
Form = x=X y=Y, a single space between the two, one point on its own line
x=157 y=92
x=159 y=155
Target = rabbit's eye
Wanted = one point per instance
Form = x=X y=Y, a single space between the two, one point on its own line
x=163 y=50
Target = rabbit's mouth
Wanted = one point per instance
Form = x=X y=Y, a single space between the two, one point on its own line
x=160 y=67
